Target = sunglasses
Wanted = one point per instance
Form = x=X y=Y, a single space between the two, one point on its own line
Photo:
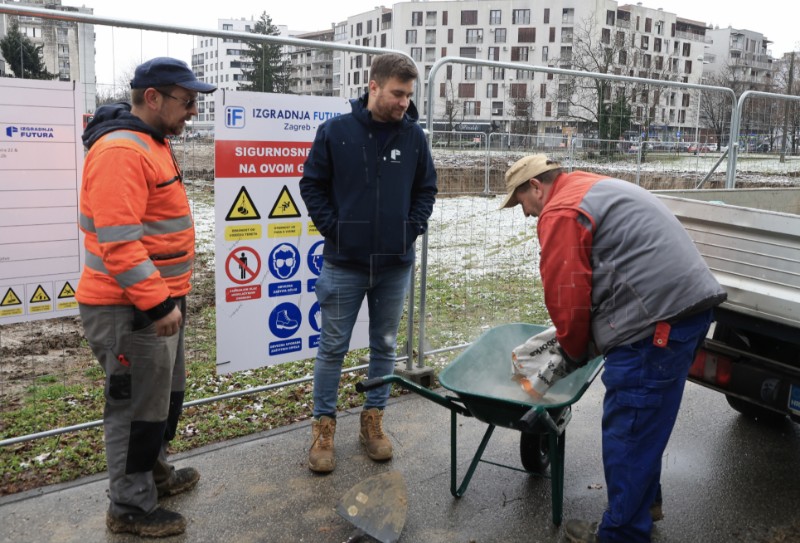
x=188 y=104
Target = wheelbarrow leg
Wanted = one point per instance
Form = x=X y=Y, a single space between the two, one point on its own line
x=557 y=447
x=458 y=492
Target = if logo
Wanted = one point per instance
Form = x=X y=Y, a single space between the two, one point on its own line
x=395 y=154
x=234 y=117
x=11 y=130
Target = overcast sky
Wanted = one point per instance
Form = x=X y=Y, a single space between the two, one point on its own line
x=774 y=18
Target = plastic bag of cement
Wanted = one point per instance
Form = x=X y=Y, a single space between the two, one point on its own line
x=538 y=363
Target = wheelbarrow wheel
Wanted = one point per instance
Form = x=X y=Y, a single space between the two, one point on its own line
x=534 y=451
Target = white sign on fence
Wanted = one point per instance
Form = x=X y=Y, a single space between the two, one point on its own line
x=268 y=252
x=41 y=160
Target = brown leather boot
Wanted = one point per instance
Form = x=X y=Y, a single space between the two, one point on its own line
x=320 y=456
x=378 y=446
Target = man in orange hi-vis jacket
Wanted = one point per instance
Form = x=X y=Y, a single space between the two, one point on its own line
x=139 y=238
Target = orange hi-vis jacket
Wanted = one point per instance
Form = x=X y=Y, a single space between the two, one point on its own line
x=139 y=233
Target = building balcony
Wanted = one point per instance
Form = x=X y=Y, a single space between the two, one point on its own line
x=693 y=36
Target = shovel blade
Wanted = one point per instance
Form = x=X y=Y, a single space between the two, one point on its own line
x=377 y=506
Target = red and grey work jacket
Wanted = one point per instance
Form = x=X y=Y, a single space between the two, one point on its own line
x=139 y=233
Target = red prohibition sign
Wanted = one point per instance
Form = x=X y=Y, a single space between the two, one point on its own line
x=242 y=261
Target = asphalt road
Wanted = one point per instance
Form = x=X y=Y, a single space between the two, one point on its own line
x=725 y=479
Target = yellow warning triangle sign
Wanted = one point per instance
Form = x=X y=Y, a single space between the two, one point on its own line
x=39 y=295
x=284 y=206
x=66 y=291
x=243 y=208
x=11 y=298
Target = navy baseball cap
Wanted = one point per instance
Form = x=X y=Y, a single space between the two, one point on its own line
x=166 y=71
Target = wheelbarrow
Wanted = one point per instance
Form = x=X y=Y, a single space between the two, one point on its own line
x=480 y=377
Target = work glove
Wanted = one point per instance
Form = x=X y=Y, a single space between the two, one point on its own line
x=540 y=362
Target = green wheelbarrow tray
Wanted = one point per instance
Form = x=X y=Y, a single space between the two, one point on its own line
x=481 y=379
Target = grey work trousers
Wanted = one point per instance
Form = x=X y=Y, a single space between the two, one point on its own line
x=144 y=388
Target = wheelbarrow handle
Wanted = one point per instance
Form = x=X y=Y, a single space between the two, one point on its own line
x=370 y=384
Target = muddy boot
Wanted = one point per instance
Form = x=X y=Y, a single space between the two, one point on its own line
x=320 y=456
x=378 y=446
x=159 y=523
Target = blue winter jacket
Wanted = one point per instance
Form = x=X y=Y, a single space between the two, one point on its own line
x=369 y=203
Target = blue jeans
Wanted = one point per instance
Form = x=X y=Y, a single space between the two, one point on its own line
x=340 y=292
x=644 y=387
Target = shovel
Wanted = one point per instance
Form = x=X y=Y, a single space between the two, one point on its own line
x=377 y=507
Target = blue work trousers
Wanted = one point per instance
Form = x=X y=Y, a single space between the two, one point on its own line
x=340 y=292
x=644 y=386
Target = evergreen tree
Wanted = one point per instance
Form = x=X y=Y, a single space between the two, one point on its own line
x=269 y=72
x=23 y=57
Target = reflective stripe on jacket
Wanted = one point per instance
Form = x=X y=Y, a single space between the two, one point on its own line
x=139 y=233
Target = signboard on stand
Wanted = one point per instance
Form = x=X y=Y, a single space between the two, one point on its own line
x=41 y=160
x=268 y=252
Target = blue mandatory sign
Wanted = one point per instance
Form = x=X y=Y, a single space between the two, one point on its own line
x=284 y=261
x=285 y=320
x=315 y=317
x=314 y=259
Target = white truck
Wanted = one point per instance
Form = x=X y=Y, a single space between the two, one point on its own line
x=750 y=239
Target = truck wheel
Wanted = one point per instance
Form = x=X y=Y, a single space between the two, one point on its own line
x=534 y=451
x=756 y=412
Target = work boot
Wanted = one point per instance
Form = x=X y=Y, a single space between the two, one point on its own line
x=378 y=446
x=580 y=531
x=159 y=523
x=320 y=456
x=181 y=480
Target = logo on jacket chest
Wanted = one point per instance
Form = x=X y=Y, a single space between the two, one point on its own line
x=394 y=155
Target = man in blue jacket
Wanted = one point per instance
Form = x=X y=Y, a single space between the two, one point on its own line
x=369 y=186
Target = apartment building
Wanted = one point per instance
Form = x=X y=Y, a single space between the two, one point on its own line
x=311 y=68
x=221 y=61
x=638 y=41
x=742 y=57
x=68 y=48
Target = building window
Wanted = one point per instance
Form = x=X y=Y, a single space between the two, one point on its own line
x=545 y=53
x=526 y=35
x=566 y=35
x=430 y=18
x=566 y=53
x=497 y=108
x=416 y=18
x=472 y=72
x=610 y=15
x=359 y=28
x=498 y=73
x=521 y=17
x=444 y=18
x=552 y=34
x=472 y=108
x=499 y=35
x=519 y=54
x=494 y=53
x=688 y=67
x=568 y=16
x=474 y=35
x=648 y=24
x=687 y=49
x=645 y=42
x=449 y=35
x=495 y=17
x=492 y=90
x=522 y=75
x=548 y=109
x=519 y=90
x=466 y=90
x=469 y=17
x=430 y=36
x=411 y=36
x=605 y=36
x=623 y=57
x=430 y=54
x=657 y=45
x=543 y=90
x=563 y=109
x=467 y=52
x=546 y=19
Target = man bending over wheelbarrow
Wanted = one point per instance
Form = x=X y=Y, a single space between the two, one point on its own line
x=620 y=273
